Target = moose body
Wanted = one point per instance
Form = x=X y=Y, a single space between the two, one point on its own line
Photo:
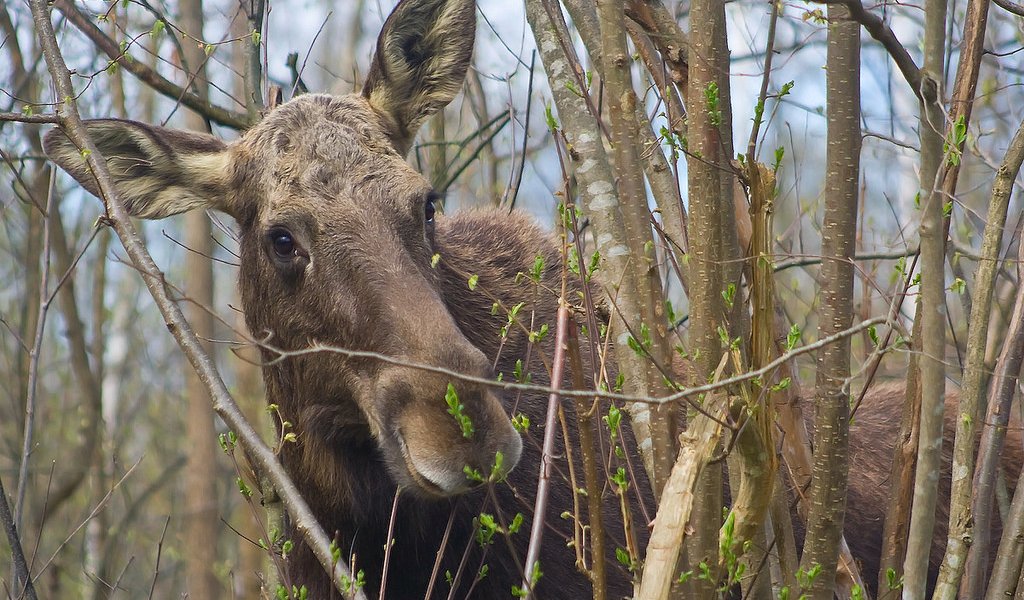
x=340 y=249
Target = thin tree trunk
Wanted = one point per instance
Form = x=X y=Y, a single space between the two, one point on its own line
x=201 y=524
x=708 y=225
x=1007 y=573
x=832 y=425
x=599 y=200
x=897 y=529
x=994 y=431
x=254 y=566
x=621 y=102
x=961 y=521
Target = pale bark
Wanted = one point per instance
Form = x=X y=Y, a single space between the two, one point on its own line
x=599 y=201
x=753 y=467
x=842 y=179
x=697 y=445
x=646 y=281
x=661 y=176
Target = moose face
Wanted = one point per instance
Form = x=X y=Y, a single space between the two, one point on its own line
x=336 y=240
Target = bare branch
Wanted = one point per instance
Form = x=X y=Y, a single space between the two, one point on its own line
x=992 y=437
x=150 y=77
x=20 y=566
x=544 y=480
x=897 y=51
x=1011 y=7
x=29 y=118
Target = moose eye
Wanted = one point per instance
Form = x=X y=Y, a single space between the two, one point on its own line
x=284 y=245
x=428 y=207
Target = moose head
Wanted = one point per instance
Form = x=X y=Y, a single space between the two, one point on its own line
x=337 y=237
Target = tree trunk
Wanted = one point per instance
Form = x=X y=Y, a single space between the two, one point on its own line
x=832 y=425
x=710 y=232
x=201 y=524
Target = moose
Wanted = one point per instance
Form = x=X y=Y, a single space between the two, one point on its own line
x=340 y=247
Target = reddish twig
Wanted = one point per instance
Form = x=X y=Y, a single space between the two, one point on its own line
x=543 y=481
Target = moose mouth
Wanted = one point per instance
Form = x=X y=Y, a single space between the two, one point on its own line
x=421 y=481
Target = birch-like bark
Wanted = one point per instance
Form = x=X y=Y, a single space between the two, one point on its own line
x=599 y=200
x=621 y=102
x=661 y=177
x=842 y=179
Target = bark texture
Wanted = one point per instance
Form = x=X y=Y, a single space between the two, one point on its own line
x=201 y=522
x=832 y=425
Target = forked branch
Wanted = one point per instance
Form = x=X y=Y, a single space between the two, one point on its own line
x=150 y=77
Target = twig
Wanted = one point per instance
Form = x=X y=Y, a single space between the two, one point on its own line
x=682 y=394
x=33 y=368
x=765 y=78
x=297 y=72
x=389 y=543
x=544 y=479
x=514 y=189
x=147 y=75
x=159 y=552
x=20 y=566
x=29 y=118
x=1011 y=7
x=897 y=51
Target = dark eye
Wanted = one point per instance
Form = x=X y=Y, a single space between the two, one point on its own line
x=428 y=207
x=284 y=245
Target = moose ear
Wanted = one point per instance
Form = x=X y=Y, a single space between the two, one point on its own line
x=158 y=172
x=422 y=56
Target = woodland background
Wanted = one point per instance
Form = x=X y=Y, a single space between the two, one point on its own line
x=890 y=141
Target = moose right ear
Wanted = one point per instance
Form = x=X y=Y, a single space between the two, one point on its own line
x=158 y=172
x=422 y=56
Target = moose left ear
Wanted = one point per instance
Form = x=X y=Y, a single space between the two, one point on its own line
x=422 y=56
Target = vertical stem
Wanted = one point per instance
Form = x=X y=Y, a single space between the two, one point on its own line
x=201 y=523
x=543 y=481
x=832 y=426
x=33 y=373
x=994 y=430
x=22 y=576
x=961 y=521
x=713 y=245
x=598 y=198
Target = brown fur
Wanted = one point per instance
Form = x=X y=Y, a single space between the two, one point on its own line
x=329 y=173
x=872 y=441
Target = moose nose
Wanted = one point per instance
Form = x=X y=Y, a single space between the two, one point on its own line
x=450 y=481
x=452 y=447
